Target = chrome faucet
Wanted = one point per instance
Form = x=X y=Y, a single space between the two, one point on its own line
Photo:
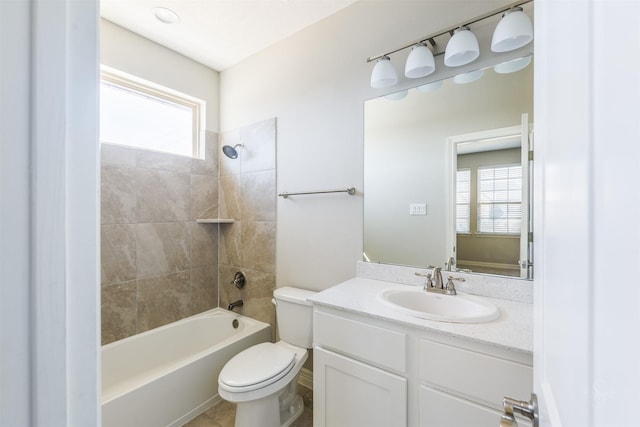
x=435 y=283
x=235 y=304
x=451 y=264
x=437 y=277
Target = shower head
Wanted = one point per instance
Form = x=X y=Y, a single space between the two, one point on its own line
x=230 y=151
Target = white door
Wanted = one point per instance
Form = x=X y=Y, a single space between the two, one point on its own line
x=587 y=205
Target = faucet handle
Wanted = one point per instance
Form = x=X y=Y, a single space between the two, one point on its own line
x=450 y=288
x=429 y=282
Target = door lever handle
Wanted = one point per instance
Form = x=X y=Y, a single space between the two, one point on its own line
x=512 y=406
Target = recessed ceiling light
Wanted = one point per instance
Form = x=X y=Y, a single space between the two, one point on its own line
x=166 y=16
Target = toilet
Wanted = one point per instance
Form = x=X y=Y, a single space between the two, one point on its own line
x=262 y=380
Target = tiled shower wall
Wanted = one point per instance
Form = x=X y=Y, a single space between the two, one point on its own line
x=158 y=264
x=248 y=195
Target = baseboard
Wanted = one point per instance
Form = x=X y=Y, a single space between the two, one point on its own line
x=306 y=378
x=196 y=411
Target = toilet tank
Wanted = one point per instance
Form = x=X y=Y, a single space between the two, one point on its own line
x=294 y=316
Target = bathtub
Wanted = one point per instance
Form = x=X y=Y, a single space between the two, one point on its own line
x=169 y=375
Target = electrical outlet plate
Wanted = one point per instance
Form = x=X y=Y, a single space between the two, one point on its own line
x=417 y=209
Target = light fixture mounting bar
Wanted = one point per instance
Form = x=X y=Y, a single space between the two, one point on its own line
x=431 y=38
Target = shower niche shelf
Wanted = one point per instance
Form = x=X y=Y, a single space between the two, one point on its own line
x=215 y=221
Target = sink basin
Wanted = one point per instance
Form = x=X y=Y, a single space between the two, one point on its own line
x=459 y=308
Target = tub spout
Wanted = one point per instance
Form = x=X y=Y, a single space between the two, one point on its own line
x=235 y=304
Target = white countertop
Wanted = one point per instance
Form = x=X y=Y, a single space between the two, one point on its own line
x=513 y=330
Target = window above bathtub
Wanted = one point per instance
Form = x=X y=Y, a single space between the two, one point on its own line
x=141 y=114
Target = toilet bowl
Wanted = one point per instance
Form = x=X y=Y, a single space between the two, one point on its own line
x=262 y=380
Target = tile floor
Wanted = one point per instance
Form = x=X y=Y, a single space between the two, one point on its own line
x=223 y=414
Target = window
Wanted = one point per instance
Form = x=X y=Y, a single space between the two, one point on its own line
x=463 y=200
x=499 y=199
x=141 y=114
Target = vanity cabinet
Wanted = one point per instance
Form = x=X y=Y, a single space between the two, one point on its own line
x=357 y=381
x=377 y=372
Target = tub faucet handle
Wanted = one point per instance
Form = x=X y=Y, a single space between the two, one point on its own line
x=239 y=280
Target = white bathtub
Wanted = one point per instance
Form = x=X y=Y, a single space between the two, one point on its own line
x=169 y=375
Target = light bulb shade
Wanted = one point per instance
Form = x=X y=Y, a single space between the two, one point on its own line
x=430 y=87
x=468 y=77
x=420 y=62
x=383 y=74
x=462 y=48
x=396 y=96
x=513 y=65
x=512 y=32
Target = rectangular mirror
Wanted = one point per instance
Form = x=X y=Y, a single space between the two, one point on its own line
x=447 y=175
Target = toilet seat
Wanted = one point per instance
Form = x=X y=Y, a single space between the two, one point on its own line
x=256 y=367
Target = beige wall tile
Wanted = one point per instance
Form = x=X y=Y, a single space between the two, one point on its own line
x=165 y=161
x=204 y=288
x=258 y=246
x=117 y=253
x=258 y=196
x=230 y=244
x=162 y=248
x=204 y=244
x=117 y=195
x=259 y=284
x=111 y=154
x=204 y=197
x=230 y=197
x=163 y=299
x=118 y=314
x=162 y=195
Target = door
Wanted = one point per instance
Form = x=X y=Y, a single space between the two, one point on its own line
x=587 y=205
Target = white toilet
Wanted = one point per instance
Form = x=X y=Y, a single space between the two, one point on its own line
x=263 y=379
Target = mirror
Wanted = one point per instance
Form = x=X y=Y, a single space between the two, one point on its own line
x=414 y=148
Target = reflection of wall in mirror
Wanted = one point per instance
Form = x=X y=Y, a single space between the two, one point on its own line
x=483 y=253
x=405 y=159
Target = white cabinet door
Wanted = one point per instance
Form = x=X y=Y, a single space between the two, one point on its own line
x=349 y=393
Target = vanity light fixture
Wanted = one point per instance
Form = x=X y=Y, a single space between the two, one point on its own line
x=164 y=15
x=462 y=49
x=468 y=77
x=513 y=65
x=384 y=73
x=430 y=87
x=420 y=62
x=512 y=32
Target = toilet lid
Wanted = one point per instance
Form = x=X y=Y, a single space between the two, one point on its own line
x=257 y=366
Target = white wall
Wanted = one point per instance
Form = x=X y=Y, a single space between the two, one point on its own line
x=315 y=83
x=136 y=55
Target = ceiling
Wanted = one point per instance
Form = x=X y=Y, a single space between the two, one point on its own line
x=219 y=33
